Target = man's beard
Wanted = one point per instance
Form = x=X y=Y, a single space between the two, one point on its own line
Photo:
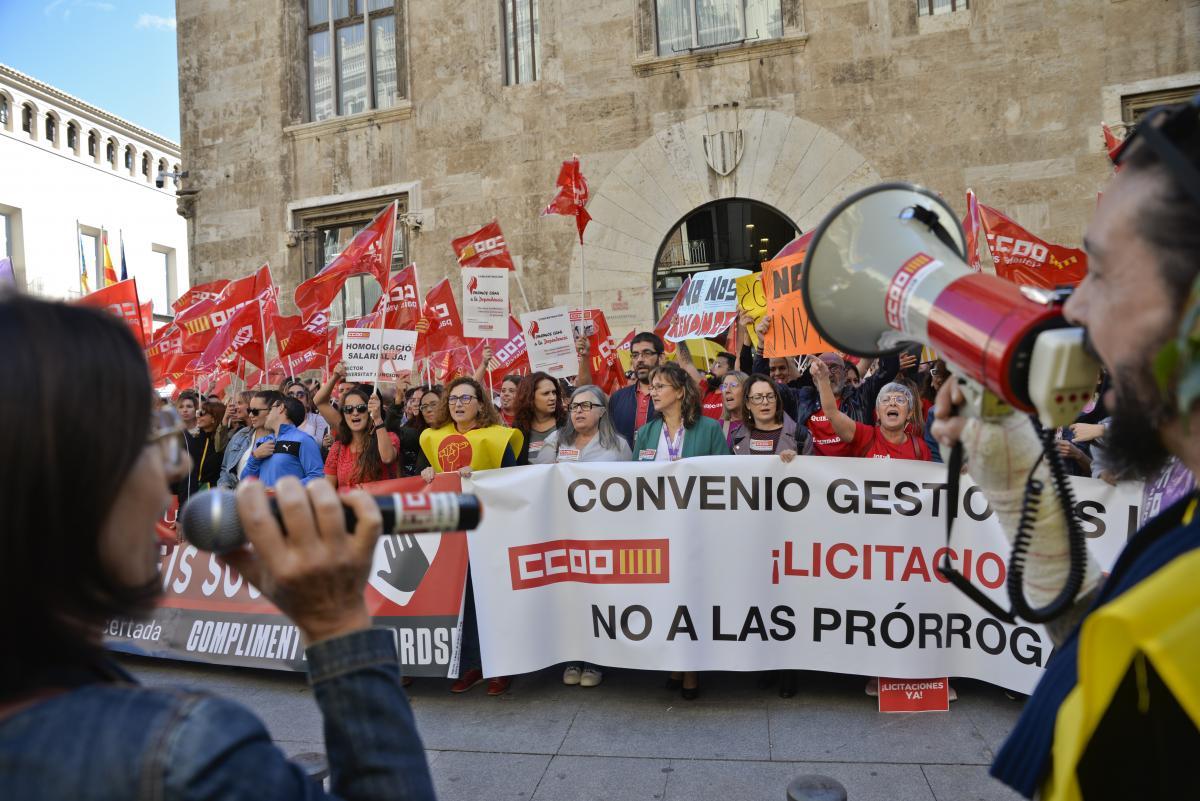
x=1132 y=445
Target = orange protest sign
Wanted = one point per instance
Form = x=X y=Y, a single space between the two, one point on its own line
x=791 y=332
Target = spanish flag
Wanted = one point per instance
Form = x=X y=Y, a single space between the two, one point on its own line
x=110 y=273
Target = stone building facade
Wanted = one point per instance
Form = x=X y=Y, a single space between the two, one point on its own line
x=822 y=97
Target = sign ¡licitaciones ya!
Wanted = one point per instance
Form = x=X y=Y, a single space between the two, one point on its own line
x=792 y=332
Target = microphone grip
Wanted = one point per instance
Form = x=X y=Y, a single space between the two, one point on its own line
x=210 y=522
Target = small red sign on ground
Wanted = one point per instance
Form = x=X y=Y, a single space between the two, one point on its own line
x=914 y=695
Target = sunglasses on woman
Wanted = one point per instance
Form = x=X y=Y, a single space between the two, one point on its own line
x=358 y=409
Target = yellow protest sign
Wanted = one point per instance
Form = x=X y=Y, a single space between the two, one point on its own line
x=791 y=332
x=752 y=299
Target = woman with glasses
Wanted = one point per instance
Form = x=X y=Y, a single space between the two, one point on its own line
x=215 y=437
x=766 y=430
x=538 y=411
x=587 y=435
x=733 y=386
x=678 y=431
x=363 y=449
x=74 y=722
x=888 y=438
x=468 y=436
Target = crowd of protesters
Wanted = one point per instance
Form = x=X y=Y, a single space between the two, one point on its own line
x=743 y=404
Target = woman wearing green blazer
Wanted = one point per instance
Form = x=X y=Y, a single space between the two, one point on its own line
x=678 y=431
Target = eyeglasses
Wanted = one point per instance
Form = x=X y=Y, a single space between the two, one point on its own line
x=358 y=409
x=643 y=354
x=731 y=384
x=893 y=400
x=300 y=394
x=761 y=397
x=660 y=387
x=461 y=400
x=1160 y=129
x=256 y=412
x=584 y=406
x=165 y=428
x=429 y=407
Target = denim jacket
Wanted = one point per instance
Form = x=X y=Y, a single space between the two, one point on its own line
x=237 y=446
x=113 y=740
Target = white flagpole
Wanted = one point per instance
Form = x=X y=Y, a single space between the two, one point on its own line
x=521 y=287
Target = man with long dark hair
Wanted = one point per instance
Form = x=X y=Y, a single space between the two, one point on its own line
x=1117 y=712
x=75 y=554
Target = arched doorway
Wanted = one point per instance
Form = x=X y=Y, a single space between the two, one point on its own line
x=734 y=232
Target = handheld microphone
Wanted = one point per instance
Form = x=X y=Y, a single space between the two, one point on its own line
x=210 y=520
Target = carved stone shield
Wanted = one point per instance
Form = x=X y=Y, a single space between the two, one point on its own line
x=723 y=150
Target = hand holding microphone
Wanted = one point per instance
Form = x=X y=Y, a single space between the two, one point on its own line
x=315 y=573
x=312 y=545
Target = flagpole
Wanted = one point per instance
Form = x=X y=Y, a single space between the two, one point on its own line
x=583 y=274
x=521 y=286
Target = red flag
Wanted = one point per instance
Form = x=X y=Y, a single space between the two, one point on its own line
x=484 y=248
x=971 y=230
x=167 y=342
x=121 y=299
x=1112 y=143
x=607 y=372
x=146 y=312
x=1023 y=258
x=196 y=294
x=369 y=252
x=440 y=326
x=403 y=302
x=572 y=195
x=200 y=321
x=241 y=335
x=294 y=335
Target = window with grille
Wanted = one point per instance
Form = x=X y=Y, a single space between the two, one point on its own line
x=352 y=55
x=1134 y=107
x=519 y=31
x=327 y=231
x=687 y=25
x=928 y=8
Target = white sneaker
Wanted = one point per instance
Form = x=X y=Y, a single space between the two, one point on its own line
x=571 y=675
x=591 y=677
x=872 y=688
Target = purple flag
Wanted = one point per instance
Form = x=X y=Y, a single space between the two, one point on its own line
x=7 y=276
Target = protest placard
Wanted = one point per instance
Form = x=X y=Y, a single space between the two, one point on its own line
x=791 y=332
x=752 y=300
x=709 y=305
x=549 y=342
x=485 y=302
x=361 y=349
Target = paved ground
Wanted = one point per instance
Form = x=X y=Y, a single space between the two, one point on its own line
x=631 y=739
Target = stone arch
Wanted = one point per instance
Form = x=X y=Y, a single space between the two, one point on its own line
x=789 y=163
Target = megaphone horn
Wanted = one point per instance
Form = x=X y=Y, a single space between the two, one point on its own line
x=886 y=268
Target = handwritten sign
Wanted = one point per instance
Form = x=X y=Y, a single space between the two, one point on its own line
x=791 y=332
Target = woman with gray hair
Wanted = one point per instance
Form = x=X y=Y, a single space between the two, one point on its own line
x=886 y=439
x=588 y=435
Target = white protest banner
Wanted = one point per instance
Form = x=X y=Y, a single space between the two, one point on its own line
x=709 y=307
x=397 y=353
x=485 y=302
x=739 y=563
x=550 y=343
x=360 y=353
